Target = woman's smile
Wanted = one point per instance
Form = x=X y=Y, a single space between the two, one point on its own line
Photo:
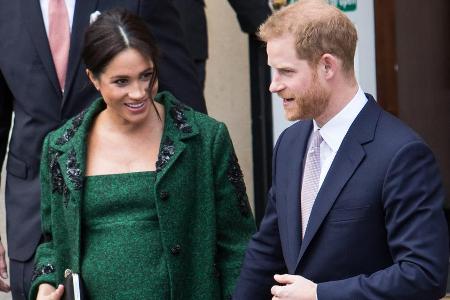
x=137 y=107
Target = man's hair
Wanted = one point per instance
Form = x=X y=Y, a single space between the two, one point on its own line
x=318 y=28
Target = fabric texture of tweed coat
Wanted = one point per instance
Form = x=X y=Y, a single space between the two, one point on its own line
x=205 y=219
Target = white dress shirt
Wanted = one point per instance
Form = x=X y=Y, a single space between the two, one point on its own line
x=334 y=131
x=70 y=4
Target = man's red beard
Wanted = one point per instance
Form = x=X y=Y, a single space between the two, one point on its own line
x=310 y=104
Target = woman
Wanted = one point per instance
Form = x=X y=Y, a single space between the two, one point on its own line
x=141 y=196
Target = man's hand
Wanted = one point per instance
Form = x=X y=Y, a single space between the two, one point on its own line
x=48 y=292
x=4 y=287
x=294 y=288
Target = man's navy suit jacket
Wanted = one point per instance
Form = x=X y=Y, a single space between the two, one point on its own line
x=376 y=230
x=29 y=87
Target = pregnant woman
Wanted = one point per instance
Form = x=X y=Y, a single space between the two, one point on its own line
x=142 y=197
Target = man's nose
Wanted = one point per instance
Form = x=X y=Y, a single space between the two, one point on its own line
x=275 y=86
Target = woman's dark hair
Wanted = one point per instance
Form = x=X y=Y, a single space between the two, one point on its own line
x=114 y=31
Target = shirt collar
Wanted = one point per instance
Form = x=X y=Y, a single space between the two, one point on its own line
x=334 y=131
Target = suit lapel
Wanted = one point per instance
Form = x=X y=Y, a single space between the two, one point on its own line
x=83 y=10
x=292 y=202
x=344 y=165
x=33 y=19
x=348 y=158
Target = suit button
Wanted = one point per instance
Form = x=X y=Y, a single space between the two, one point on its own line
x=164 y=195
x=175 y=249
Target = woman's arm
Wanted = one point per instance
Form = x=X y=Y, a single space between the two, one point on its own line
x=45 y=269
x=235 y=223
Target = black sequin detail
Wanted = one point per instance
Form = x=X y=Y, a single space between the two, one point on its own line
x=73 y=170
x=237 y=180
x=180 y=105
x=58 y=184
x=70 y=132
x=42 y=270
x=179 y=118
x=167 y=151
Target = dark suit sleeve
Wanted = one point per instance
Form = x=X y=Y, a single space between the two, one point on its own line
x=251 y=13
x=416 y=231
x=6 y=109
x=176 y=69
x=264 y=257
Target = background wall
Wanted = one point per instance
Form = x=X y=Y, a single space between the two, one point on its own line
x=227 y=90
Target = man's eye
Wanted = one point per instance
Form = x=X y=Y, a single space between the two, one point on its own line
x=287 y=72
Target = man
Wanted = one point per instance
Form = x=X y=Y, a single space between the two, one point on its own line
x=354 y=211
x=250 y=13
x=42 y=95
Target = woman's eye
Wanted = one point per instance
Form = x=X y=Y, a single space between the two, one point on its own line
x=147 y=76
x=121 y=82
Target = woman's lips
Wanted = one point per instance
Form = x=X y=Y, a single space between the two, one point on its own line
x=135 y=105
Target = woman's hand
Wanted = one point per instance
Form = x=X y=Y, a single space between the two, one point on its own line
x=48 y=292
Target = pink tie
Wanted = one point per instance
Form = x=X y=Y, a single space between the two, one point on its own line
x=311 y=176
x=59 y=37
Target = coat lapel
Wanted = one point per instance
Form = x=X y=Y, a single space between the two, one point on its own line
x=73 y=169
x=178 y=127
x=32 y=16
x=70 y=144
x=72 y=164
x=83 y=10
x=348 y=158
x=292 y=202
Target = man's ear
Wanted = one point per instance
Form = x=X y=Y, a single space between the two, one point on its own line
x=329 y=65
x=93 y=79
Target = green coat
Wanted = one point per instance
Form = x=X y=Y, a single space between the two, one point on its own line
x=201 y=202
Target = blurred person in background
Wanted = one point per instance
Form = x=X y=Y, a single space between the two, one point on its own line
x=250 y=13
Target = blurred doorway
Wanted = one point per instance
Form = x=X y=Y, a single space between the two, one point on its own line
x=413 y=71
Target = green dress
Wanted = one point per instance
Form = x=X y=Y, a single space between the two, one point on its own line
x=122 y=254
